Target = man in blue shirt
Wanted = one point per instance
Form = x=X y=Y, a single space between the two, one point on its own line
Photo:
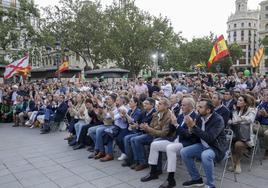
x=262 y=117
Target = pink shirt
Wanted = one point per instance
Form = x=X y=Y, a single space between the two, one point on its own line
x=141 y=89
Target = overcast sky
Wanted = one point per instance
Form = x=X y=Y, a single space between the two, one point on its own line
x=195 y=18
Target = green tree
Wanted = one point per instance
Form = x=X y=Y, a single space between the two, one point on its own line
x=134 y=36
x=80 y=26
x=184 y=55
x=15 y=24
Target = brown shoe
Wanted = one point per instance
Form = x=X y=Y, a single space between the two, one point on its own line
x=141 y=167
x=133 y=166
x=100 y=155
x=107 y=157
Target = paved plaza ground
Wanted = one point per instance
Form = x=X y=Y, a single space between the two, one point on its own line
x=28 y=159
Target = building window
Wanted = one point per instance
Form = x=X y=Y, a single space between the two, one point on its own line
x=266 y=27
x=234 y=25
x=249 y=24
x=242 y=24
x=266 y=63
x=266 y=16
x=242 y=61
x=266 y=50
x=242 y=33
x=266 y=8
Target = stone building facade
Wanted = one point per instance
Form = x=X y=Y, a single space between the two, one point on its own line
x=243 y=29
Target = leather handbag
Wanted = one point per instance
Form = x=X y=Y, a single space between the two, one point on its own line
x=241 y=131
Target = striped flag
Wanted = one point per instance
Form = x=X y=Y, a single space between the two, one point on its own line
x=256 y=60
x=20 y=66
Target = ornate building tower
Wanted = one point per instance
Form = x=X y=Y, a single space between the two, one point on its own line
x=243 y=30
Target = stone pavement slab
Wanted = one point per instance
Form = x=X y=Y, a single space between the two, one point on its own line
x=31 y=160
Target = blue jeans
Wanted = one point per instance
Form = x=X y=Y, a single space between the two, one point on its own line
x=137 y=145
x=120 y=139
x=78 y=127
x=127 y=144
x=109 y=147
x=96 y=135
x=207 y=156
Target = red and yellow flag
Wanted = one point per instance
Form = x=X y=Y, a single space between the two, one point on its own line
x=219 y=51
x=256 y=60
x=63 y=67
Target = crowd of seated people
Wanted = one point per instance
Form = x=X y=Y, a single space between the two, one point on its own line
x=146 y=120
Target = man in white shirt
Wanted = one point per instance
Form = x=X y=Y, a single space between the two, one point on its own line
x=167 y=89
x=14 y=94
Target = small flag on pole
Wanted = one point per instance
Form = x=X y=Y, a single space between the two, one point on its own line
x=256 y=60
x=63 y=67
x=219 y=51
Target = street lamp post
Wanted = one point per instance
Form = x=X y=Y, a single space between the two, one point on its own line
x=48 y=49
x=57 y=44
x=157 y=56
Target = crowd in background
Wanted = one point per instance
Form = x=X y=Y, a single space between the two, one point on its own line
x=183 y=116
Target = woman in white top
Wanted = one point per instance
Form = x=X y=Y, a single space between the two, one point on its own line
x=244 y=113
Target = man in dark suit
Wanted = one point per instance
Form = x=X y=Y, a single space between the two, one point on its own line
x=172 y=145
x=229 y=101
x=220 y=108
x=175 y=106
x=213 y=144
x=57 y=117
x=146 y=117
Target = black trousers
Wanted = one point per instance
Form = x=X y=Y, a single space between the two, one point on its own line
x=83 y=138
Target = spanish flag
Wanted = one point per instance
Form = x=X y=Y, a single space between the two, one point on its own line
x=219 y=51
x=63 y=67
x=256 y=60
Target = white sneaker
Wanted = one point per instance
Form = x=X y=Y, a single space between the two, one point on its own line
x=122 y=157
x=32 y=127
x=28 y=123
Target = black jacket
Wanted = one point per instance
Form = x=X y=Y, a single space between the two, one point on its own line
x=213 y=135
x=61 y=112
x=146 y=118
x=225 y=114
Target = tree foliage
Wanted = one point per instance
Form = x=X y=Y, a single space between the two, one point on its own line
x=16 y=26
x=126 y=36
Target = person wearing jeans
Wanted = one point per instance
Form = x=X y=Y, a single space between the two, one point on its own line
x=96 y=133
x=145 y=117
x=209 y=127
x=262 y=117
x=158 y=128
